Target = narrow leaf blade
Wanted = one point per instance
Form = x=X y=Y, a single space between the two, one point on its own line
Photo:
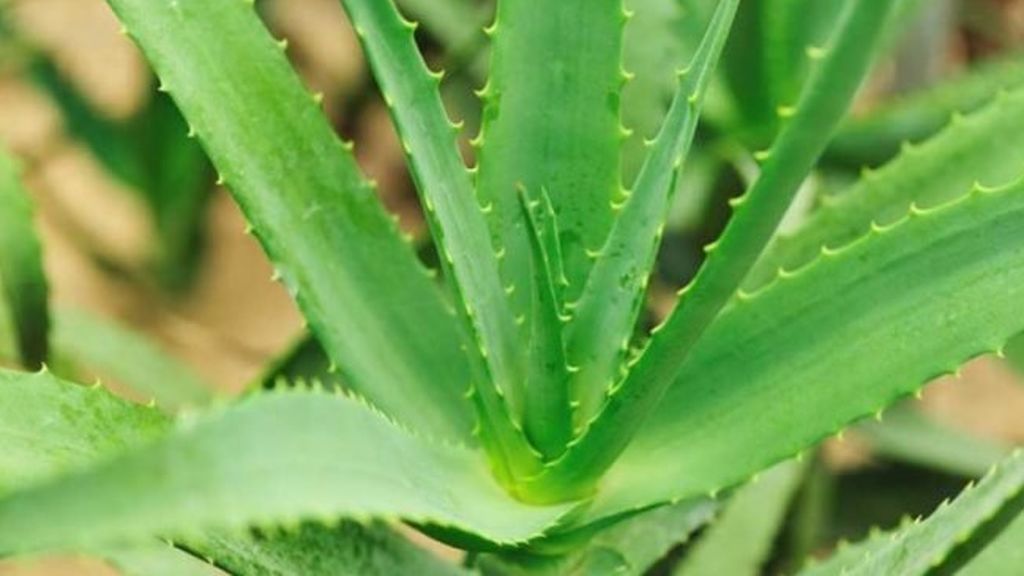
x=603 y=318
x=740 y=540
x=368 y=299
x=22 y=279
x=551 y=121
x=457 y=223
x=653 y=47
x=548 y=418
x=825 y=100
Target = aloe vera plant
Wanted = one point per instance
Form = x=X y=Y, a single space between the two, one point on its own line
x=512 y=405
x=147 y=152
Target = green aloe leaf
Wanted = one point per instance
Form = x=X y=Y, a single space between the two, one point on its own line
x=379 y=315
x=456 y=221
x=349 y=548
x=274 y=459
x=548 y=421
x=630 y=547
x=740 y=540
x=601 y=327
x=922 y=545
x=789 y=28
x=995 y=549
x=86 y=425
x=157 y=559
x=826 y=98
x=108 y=351
x=551 y=121
x=877 y=136
x=83 y=425
x=786 y=367
x=767 y=62
x=653 y=48
x=22 y=280
x=986 y=147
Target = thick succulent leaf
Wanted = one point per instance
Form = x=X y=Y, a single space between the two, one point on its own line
x=985 y=147
x=367 y=298
x=83 y=425
x=877 y=136
x=652 y=50
x=548 y=422
x=720 y=107
x=826 y=97
x=629 y=547
x=456 y=221
x=103 y=349
x=350 y=548
x=157 y=559
x=909 y=436
x=86 y=425
x=922 y=545
x=273 y=459
x=996 y=549
x=788 y=366
x=551 y=121
x=767 y=61
x=49 y=427
x=602 y=323
x=876 y=496
x=740 y=540
x=23 y=283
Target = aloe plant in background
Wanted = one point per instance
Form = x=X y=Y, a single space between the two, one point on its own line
x=514 y=409
x=148 y=152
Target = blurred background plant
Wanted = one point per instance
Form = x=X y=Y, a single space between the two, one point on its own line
x=146 y=256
